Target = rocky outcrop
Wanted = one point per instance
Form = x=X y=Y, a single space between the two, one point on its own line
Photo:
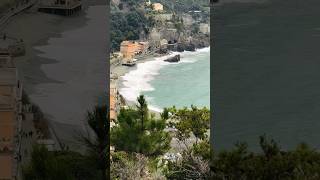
x=192 y=46
x=175 y=58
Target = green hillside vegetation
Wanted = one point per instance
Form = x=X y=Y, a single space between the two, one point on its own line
x=303 y=162
x=273 y=163
x=180 y=6
x=138 y=131
x=130 y=18
x=140 y=140
x=126 y=26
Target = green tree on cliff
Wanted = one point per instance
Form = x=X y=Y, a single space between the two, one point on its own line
x=99 y=146
x=139 y=131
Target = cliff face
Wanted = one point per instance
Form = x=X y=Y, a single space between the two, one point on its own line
x=187 y=30
x=174 y=23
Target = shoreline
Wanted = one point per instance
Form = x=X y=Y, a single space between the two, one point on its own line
x=174 y=144
x=31 y=66
x=121 y=71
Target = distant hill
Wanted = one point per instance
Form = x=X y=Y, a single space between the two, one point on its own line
x=169 y=5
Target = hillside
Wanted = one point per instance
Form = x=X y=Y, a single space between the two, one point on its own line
x=133 y=20
x=185 y=5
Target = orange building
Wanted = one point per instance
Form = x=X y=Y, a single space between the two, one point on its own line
x=157 y=7
x=129 y=49
x=10 y=117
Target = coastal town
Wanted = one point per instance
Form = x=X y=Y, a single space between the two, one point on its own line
x=156 y=142
x=171 y=31
x=26 y=127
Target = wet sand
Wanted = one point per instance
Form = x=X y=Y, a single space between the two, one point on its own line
x=60 y=72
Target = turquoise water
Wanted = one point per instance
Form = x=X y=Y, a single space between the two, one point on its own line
x=166 y=84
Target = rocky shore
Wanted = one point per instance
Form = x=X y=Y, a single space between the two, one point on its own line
x=198 y=41
x=117 y=70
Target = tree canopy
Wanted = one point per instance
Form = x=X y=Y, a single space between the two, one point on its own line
x=139 y=131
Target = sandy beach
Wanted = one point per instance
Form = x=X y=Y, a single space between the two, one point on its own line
x=119 y=70
x=122 y=70
x=131 y=82
x=47 y=80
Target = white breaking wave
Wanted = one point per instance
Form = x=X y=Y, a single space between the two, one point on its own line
x=138 y=80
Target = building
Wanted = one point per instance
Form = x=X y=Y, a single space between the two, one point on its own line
x=61 y=7
x=154 y=38
x=148 y=2
x=163 y=44
x=59 y=3
x=10 y=117
x=143 y=47
x=204 y=28
x=129 y=49
x=114 y=104
x=157 y=7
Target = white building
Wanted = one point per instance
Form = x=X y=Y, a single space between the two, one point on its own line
x=204 y=28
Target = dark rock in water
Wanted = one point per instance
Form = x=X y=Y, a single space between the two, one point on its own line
x=176 y=58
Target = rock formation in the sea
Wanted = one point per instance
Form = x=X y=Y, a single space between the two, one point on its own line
x=175 y=58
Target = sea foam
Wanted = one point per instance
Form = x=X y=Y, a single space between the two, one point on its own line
x=138 y=80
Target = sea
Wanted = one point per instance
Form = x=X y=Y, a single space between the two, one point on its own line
x=266 y=69
x=165 y=84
